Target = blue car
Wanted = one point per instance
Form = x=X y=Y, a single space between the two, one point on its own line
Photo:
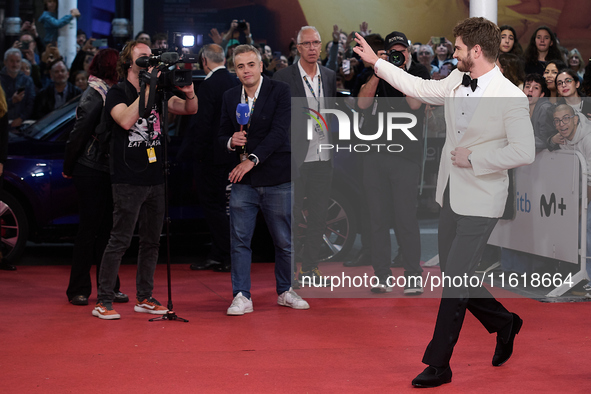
x=37 y=204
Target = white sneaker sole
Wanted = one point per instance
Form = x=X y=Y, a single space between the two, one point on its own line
x=380 y=289
x=150 y=311
x=105 y=317
x=301 y=307
x=239 y=313
x=413 y=291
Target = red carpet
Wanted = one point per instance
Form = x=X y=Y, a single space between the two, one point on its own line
x=358 y=345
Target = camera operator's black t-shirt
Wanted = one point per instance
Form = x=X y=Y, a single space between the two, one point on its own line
x=130 y=159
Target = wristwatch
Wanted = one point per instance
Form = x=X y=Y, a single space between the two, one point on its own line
x=254 y=159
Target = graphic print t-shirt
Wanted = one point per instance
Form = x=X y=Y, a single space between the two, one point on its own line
x=136 y=154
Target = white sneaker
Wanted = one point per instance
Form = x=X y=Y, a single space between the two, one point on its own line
x=382 y=287
x=291 y=299
x=240 y=306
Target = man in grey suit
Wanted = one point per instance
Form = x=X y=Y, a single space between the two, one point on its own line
x=488 y=132
x=311 y=167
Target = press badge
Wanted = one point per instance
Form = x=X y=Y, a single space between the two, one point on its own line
x=151 y=155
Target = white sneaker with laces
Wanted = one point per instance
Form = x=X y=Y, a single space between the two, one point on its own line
x=240 y=306
x=291 y=299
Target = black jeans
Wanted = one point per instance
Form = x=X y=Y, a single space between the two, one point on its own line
x=212 y=181
x=391 y=186
x=133 y=204
x=314 y=183
x=95 y=205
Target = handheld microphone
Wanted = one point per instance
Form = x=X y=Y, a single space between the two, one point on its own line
x=242 y=117
x=242 y=114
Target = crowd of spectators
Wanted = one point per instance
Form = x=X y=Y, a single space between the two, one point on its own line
x=36 y=56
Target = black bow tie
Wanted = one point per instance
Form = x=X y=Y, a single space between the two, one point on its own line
x=467 y=81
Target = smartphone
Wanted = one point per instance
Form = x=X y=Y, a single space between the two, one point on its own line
x=277 y=55
x=346 y=66
x=436 y=40
x=25 y=44
x=99 y=43
x=20 y=90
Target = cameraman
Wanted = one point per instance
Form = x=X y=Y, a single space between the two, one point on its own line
x=138 y=181
x=391 y=178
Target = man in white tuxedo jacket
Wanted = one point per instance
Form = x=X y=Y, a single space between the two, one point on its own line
x=488 y=132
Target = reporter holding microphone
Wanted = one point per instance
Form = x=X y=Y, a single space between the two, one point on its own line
x=262 y=182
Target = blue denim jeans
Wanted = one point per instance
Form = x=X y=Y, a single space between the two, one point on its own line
x=275 y=204
x=133 y=204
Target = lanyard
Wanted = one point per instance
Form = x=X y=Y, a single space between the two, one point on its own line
x=312 y=89
x=254 y=101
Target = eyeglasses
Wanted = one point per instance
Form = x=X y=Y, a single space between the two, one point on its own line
x=565 y=119
x=309 y=44
x=424 y=53
x=568 y=80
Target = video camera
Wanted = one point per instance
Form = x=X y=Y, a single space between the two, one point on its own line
x=165 y=63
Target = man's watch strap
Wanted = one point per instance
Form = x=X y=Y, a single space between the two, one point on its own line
x=254 y=159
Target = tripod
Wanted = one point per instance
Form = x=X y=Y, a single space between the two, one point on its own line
x=170 y=315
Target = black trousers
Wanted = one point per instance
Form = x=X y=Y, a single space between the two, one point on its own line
x=95 y=202
x=315 y=184
x=212 y=181
x=391 y=184
x=461 y=243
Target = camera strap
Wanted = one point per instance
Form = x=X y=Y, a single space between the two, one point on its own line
x=144 y=111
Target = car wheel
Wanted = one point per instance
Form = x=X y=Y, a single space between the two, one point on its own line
x=14 y=228
x=340 y=231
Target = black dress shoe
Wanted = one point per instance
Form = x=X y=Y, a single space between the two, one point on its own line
x=223 y=268
x=433 y=377
x=7 y=267
x=79 y=300
x=120 y=297
x=504 y=350
x=361 y=260
x=204 y=265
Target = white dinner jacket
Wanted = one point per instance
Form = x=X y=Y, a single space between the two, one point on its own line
x=500 y=136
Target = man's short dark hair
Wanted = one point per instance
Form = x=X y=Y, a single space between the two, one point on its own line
x=160 y=36
x=375 y=41
x=480 y=31
x=535 y=77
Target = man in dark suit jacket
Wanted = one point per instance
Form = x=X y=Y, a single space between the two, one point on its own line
x=262 y=181
x=212 y=163
x=312 y=167
x=59 y=92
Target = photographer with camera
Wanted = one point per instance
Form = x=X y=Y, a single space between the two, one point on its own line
x=391 y=179
x=137 y=178
x=232 y=36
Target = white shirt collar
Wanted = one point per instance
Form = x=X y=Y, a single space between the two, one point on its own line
x=302 y=72
x=214 y=70
x=484 y=80
x=256 y=94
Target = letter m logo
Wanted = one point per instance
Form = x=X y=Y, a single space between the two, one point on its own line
x=547 y=208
